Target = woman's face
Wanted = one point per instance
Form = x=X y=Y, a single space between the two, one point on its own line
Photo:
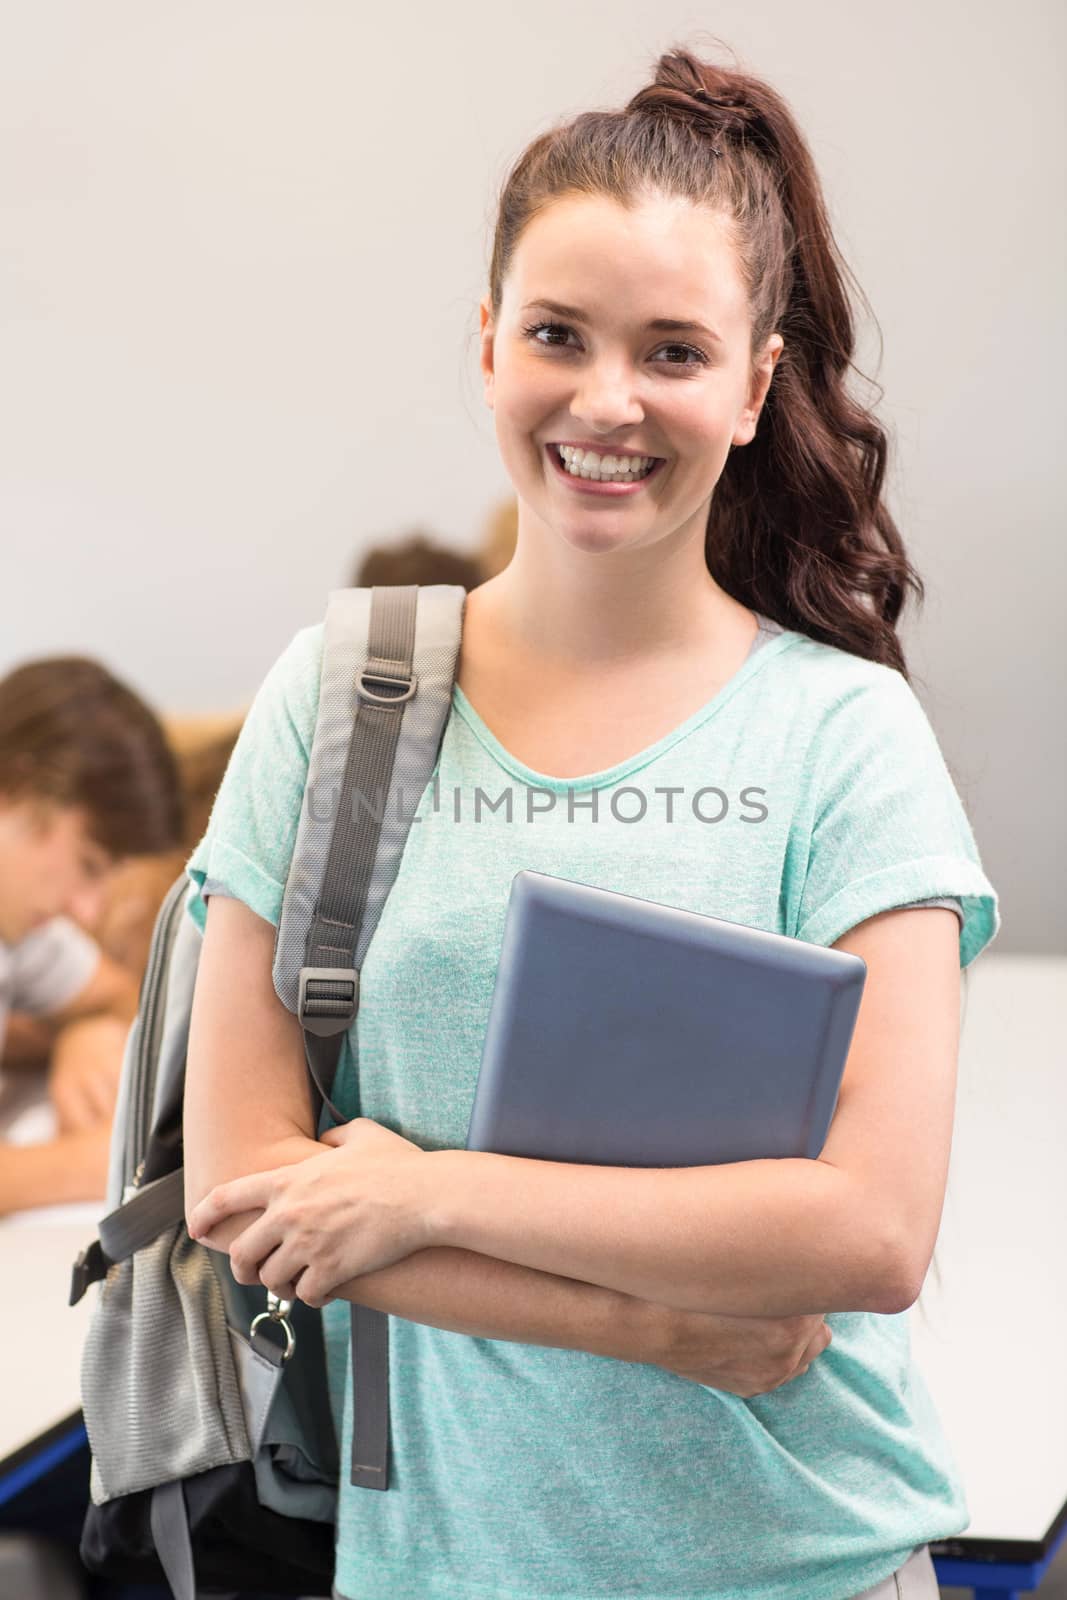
x=601 y=375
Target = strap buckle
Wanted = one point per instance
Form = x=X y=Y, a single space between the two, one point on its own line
x=328 y=999
x=90 y=1267
x=376 y=672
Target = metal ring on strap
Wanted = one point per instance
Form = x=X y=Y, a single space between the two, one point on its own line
x=409 y=682
x=276 y=1313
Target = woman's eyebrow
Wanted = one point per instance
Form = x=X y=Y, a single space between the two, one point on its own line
x=659 y=325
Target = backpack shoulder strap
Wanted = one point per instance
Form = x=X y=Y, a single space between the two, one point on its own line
x=388 y=666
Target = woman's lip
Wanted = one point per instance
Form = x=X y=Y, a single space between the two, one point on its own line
x=601 y=449
x=611 y=491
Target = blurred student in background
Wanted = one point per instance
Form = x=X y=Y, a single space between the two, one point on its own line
x=501 y=534
x=87 y=780
x=101 y=804
x=416 y=559
x=202 y=746
x=420 y=558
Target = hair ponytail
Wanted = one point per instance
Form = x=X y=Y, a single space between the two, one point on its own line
x=797 y=528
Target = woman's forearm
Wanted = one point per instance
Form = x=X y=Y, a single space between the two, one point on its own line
x=773 y=1238
x=464 y=1292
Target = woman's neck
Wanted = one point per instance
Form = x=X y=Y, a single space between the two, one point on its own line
x=582 y=610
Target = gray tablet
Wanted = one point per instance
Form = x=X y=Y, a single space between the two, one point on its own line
x=626 y=1033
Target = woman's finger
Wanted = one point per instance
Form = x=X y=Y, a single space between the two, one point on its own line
x=360 y=1128
x=282 y=1271
x=229 y=1199
x=253 y=1246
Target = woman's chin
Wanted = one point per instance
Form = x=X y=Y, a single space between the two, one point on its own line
x=596 y=541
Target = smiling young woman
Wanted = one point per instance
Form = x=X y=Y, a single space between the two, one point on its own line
x=705 y=590
x=615 y=435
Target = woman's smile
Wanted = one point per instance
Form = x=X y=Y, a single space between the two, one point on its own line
x=593 y=486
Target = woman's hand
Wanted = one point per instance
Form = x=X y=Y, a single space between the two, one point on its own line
x=361 y=1205
x=745 y=1356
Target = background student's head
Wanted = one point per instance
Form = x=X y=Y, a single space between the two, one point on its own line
x=87 y=779
x=417 y=559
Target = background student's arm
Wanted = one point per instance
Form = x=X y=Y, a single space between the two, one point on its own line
x=68 y=1168
x=59 y=975
x=80 y=1063
x=111 y=991
x=72 y=1009
x=27 y=1042
x=84 y=1071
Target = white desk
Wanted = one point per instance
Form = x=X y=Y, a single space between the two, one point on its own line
x=41 y=1336
x=989 y=1340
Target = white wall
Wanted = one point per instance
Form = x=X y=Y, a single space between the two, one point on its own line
x=241 y=250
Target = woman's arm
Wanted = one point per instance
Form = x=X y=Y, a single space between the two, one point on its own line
x=853 y=1230
x=247 y=1099
x=468 y=1293
x=248 y=1107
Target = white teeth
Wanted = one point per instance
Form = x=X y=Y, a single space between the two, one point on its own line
x=613 y=469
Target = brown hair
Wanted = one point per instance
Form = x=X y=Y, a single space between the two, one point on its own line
x=797 y=528
x=417 y=560
x=73 y=734
x=202 y=747
x=501 y=534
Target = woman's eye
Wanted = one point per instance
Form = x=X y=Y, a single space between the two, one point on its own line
x=535 y=329
x=687 y=349
x=543 y=327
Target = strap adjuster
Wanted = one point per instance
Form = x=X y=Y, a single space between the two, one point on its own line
x=376 y=672
x=328 y=999
x=91 y=1266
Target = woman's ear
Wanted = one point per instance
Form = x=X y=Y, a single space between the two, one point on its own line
x=763 y=372
x=486 y=352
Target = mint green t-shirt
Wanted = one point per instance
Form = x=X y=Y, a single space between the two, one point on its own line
x=809 y=794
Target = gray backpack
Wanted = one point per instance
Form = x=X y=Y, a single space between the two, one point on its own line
x=214 y=1456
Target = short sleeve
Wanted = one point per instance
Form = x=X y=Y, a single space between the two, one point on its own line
x=50 y=967
x=248 y=844
x=888 y=825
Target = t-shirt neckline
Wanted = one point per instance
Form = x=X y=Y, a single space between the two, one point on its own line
x=752 y=664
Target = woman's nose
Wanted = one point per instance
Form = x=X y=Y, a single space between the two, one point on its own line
x=606 y=399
